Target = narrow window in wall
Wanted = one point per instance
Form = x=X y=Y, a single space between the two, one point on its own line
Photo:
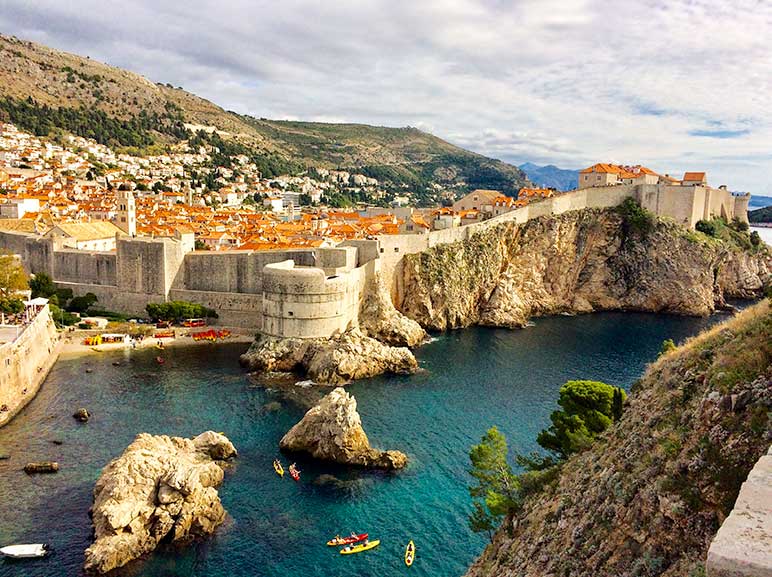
x=396 y=249
x=290 y=313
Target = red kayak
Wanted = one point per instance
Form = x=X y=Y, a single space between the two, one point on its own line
x=338 y=540
x=159 y=360
x=295 y=474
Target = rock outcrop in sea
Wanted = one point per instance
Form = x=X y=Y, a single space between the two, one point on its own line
x=160 y=489
x=649 y=495
x=577 y=262
x=379 y=344
x=332 y=431
x=334 y=361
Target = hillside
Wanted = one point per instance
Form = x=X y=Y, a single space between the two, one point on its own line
x=551 y=176
x=43 y=90
x=648 y=497
x=760 y=215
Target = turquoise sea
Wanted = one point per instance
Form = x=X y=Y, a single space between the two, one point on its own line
x=470 y=379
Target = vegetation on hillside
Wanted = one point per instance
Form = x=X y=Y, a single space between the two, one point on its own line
x=760 y=215
x=587 y=409
x=139 y=131
x=116 y=107
x=646 y=498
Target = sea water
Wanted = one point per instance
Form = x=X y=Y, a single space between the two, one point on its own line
x=469 y=380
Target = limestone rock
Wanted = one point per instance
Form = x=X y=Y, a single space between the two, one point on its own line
x=160 y=488
x=379 y=319
x=576 y=262
x=335 y=361
x=332 y=431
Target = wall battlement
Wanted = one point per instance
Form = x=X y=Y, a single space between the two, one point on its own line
x=307 y=292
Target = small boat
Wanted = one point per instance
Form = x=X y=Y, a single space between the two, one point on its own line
x=410 y=553
x=25 y=551
x=160 y=347
x=160 y=360
x=278 y=468
x=338 y=540
x=351 y=549
x=294 y=472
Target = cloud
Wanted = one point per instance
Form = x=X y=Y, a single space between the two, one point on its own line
x=670 y=84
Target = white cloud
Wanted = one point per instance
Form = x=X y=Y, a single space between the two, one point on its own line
x=568 y=82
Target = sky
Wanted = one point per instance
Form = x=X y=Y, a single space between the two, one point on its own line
x=675 y=85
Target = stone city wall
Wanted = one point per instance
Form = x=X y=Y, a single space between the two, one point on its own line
x=25 y=362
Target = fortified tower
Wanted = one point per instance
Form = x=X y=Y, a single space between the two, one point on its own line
x=126 y=216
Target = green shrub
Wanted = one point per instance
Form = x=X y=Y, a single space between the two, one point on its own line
x=178 y=310
x=636 y=218
x=588 y=408
x=755 y=238
x=707 y=227
x=667 y=346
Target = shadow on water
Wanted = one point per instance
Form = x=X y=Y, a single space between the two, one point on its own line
x=472 y=379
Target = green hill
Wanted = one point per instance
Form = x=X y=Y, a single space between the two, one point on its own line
x=45 y=91
x=760 y=215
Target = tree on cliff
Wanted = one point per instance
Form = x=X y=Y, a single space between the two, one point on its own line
x=587 y=409
x=497 y=491
x=12 y=275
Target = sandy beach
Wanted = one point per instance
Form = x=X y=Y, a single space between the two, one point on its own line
x=73 y=341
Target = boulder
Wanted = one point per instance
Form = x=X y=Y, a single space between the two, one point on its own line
x=329 y=361
x=160 y=488
x=81 y=415
x=332 y=431
x=41 y=467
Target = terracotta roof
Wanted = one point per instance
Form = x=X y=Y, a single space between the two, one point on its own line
x=694 y=176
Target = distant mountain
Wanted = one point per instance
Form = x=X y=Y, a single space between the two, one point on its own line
x=760 y=215
x=46 y=91
x=759 y=201
x=551 y=176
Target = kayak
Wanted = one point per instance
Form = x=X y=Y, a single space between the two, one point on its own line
x=351 y=549
x=159 y=360
x=294 y=473
x=25 y=551
x=278 y=468
x=409 y=554
x=336 y=541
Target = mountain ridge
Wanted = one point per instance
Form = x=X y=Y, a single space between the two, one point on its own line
x=402 y=158
x=551 y=176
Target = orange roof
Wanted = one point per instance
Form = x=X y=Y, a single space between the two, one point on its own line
x=694 y=176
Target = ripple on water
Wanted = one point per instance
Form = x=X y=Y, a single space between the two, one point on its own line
x=473 y=379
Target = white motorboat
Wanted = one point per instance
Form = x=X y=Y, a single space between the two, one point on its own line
x=25 y=551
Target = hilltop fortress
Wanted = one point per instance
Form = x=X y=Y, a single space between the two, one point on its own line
x=309 y=293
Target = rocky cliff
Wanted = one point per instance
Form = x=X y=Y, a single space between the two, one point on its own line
x=647 y=498
x=160 y=489
x=579 y=261
x=332 y=431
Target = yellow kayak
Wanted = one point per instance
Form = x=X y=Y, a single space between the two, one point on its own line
x=351 y=549
x=409 y=554
x=278 y=468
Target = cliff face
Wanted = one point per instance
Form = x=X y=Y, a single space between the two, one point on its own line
x=647 y=498
x=576 y=262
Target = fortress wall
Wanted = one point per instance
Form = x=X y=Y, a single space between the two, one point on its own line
x=233 y=309
x=36 y=253
x=25 y=363
x=233 y=271
x=113 y=298
x=144 y=266
x=85 y=267
x=367 y=250
x=303 y=302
